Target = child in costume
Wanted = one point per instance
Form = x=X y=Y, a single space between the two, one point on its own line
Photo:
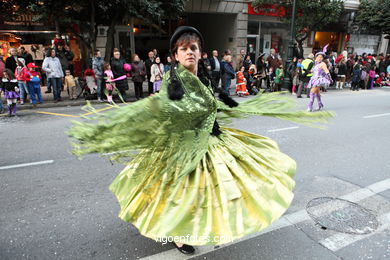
x=321 y=77
x=9 y=85
x=157 y=84
x=191 y=177
x=279 y=75
x=90 y=79
x=252 y=73
x=109 y=79
x=70 y=85
x=21 y=76
x=34 y=84
x=371 y=75
x=379 y=82
x=241 y=83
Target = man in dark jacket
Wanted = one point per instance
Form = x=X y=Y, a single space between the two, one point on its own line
x=227 y=73
x=25 y=55
x=66 y=57
x=215 y=64
x=148 y=64
x=273 y=60
x=117 y=69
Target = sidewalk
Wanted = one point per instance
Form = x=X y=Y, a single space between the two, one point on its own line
x=48 y=100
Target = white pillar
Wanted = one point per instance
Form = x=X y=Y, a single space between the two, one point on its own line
x=383 y=45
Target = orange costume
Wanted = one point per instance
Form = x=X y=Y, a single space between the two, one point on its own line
x=241 y=84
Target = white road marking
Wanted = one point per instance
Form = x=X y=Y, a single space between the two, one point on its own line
x=25 y=165
x=378 y=115
x=285 y=221
x=283 y=129
x=341 y=240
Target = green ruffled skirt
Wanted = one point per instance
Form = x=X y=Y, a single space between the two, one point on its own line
x=240 y=186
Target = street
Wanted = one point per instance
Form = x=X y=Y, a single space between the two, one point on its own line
x=54 y=206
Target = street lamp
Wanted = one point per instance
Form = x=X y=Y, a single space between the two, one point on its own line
x=290 y=50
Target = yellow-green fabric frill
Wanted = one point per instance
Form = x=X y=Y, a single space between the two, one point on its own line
x=182 y=182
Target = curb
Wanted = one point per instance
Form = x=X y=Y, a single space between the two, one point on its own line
x=52 y=104
x=69 y=103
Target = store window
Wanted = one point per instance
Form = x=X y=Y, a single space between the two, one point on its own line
x=274 y=36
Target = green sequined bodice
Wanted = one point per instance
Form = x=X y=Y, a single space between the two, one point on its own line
x=195 y=111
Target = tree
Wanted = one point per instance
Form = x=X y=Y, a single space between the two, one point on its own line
x=152 y=11
x=374 y=16
x=82 y=17
x=313 y=15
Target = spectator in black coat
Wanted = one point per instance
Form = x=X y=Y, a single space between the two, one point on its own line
x=227 y=73
x=11 y=62
x=148 y=64
x=65 y=55
x=215 y=64
x=117 y=64
x=25 y=55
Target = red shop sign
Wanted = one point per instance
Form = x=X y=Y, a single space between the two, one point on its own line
x=267 y=10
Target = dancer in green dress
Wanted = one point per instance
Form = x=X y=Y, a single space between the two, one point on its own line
x=187 y=177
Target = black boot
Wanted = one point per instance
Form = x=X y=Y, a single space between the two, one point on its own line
x=185 y=249
x=10 y=110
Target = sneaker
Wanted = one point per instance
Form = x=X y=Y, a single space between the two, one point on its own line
x=47 y=91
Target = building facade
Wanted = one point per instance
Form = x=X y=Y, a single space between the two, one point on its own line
x=234 y=25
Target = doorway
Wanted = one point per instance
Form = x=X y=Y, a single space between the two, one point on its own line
x=253 y=46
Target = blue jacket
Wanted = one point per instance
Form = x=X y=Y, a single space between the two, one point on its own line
x=227 y=70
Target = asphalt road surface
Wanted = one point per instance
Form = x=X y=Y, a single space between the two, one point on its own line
x=54 y=206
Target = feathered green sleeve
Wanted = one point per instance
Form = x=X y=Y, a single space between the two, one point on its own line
x=119 y=131
x=275 y=104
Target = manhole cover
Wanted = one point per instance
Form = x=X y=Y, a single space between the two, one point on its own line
x=341 y=215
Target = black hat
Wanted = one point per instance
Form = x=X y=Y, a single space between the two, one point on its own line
x=182 y=30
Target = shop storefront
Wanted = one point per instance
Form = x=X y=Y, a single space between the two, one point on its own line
x=266 y=31
x=35 y=37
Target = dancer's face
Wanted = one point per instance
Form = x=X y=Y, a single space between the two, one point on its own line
x=319 y=58
x=188 y=55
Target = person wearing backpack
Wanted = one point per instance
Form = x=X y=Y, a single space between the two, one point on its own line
x=305 y=74
x=356 y=77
